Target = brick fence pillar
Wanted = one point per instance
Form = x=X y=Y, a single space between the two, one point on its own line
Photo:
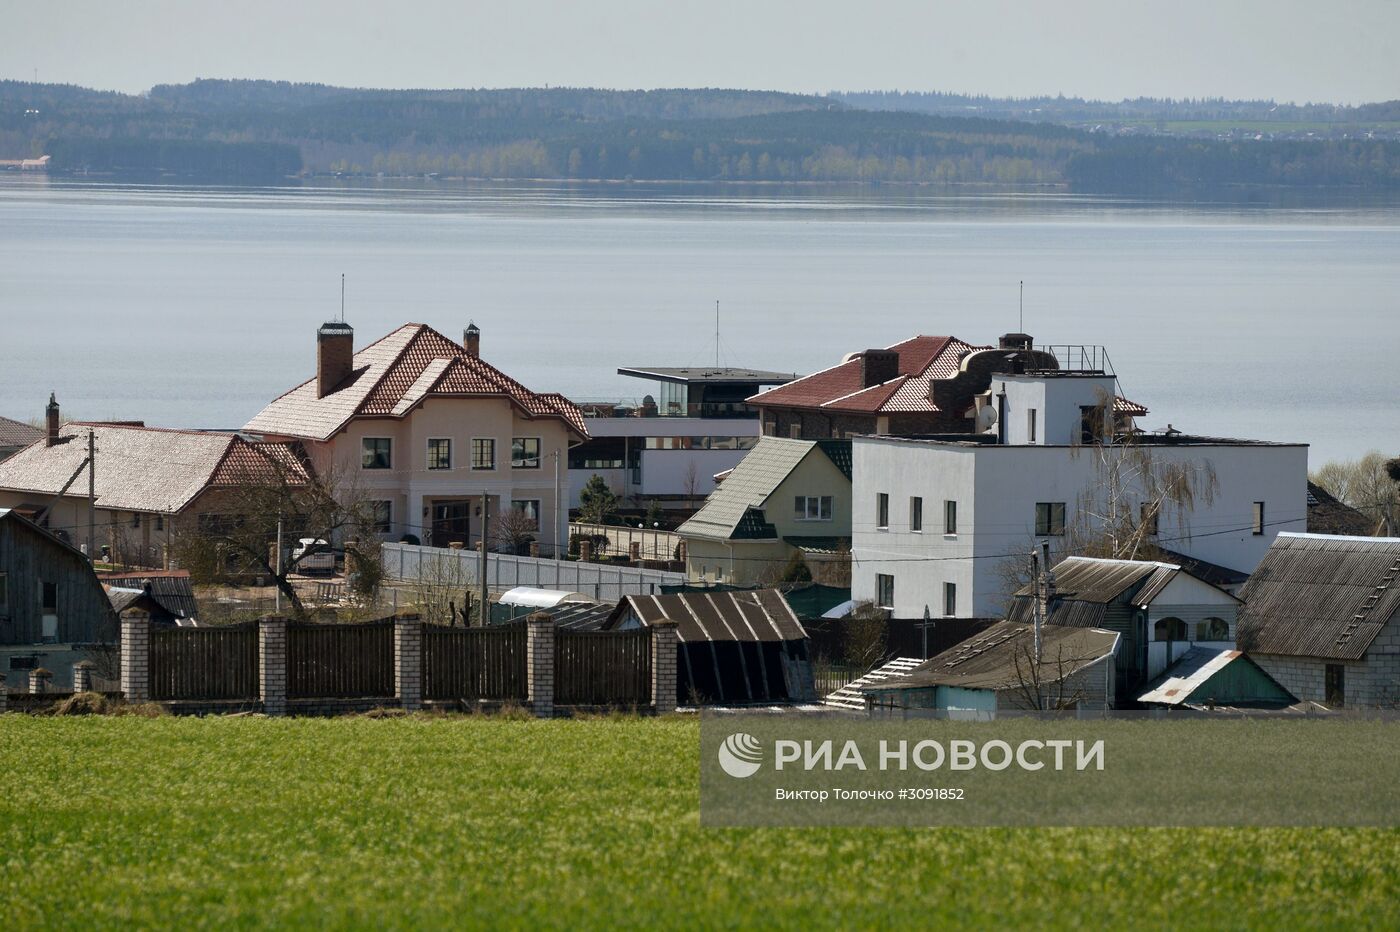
x=136 y=656
x=272 y=664
x=539 y=651
x=39 y=681
x=408 y=661
x=82 y=676
x=664 y=648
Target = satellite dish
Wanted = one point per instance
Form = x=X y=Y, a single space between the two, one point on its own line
x=986 y=417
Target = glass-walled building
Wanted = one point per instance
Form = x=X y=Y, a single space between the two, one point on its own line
x=668 y=446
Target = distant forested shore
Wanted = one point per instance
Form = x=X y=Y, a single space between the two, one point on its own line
x=263 y=131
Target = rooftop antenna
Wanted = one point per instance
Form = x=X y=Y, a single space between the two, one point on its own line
x=716 y=333
x=342 y=297
x=1021 y=320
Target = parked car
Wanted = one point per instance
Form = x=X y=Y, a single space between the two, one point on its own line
x=313 y=555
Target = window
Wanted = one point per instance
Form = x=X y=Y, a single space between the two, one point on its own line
x=50 y=597
x=884 y=590
x=525 y=453
x=376 y=453
x=136 y=519
x=382 y=516
x=439 y=453
x=916 y=514
x=1213 y=629
x=950 y=518
x=1030 y=425
x=812 y=508
x=1258 y=518
x=483 y=453
x=882 y=511
x=1049 y=519
x=529 y=507
x=1091 y=424
x=160 y=522
x=1336 y=684
x=1169 y=629
x=795 y=431
x=1147 y=518
x=950 y=599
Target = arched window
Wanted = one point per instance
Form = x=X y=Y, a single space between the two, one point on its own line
x=1213 y=629
x=1169 y=629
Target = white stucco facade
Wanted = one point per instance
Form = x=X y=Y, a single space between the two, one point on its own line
x=997 y=489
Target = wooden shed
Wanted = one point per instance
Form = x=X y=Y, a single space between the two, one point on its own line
x=736 y=647
x=49 y=593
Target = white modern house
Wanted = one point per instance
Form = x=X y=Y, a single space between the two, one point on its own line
x=944 y=523
x=669 y=446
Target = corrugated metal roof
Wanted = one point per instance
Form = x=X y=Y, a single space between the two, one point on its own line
x=738 y=615
x=1092 y=579
x=1002 y=657
x=171 y=588
x=1198 y=666
x=1317 y=595
x=756 y=477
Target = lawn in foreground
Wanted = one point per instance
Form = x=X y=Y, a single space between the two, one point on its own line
x=448 y=821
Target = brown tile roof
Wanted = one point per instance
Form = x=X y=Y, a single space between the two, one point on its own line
x=394 y=374
x=921 y=359
x=139 y=468
x=839 y=388
x=17 y=433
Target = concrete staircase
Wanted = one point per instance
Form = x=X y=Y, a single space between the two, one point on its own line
x=850 y=697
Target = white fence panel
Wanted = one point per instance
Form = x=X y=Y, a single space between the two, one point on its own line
x=607 y=583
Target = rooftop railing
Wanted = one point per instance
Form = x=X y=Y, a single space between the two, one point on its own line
x=1079 y=357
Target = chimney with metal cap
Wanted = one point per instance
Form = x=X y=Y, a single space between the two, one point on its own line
x=52 y=413
x=335 y=355
x=471 y=339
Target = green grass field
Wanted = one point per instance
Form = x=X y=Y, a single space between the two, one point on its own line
x=434 y=822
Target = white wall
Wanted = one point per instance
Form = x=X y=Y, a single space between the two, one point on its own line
x=1057 y=401
x=998 y=487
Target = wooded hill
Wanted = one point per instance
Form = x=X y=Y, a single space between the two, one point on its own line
x=263 y=130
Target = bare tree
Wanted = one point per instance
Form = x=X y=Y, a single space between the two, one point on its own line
x=691 y=484
x=865 y=640
x=265 y=484
x=1045 y=684
x=1370 y=484
x=442 y=587
x=515 y=529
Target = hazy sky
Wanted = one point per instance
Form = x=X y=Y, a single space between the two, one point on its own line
x=1332 y=50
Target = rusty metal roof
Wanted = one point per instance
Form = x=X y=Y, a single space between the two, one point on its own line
x=1318 y=595
x=736 y=615
x=1002 y=657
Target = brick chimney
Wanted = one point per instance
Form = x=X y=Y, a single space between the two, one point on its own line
x=877 y=366
x=1016 y=341
x=52 y=413
x=335 y=355
x=471 y=339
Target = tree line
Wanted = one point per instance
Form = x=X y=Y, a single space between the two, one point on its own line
x=261 y=130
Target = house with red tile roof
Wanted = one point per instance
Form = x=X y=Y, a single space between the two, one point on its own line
x=146 y=481
x=437 y=437
x=919 y=386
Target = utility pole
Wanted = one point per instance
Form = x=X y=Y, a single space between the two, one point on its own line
x=557 y=506
x=485 y=528
x=716 y=333
x=277 y=588
x=1035 y=662
x=92 y=496
x=927 y=622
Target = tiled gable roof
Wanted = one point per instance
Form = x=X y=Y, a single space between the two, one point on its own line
x=17 y=433
x=839 y=388
x=394 y=374
x=138 y=468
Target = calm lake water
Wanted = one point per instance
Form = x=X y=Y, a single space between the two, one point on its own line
x=195 y=306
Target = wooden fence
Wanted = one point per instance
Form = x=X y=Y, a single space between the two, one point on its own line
x=204 y=663
x=475 y=663
x=602 y=667
x=340 y=661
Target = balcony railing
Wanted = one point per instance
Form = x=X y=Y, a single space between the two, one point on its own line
x=1079 y=357
x=633 y=408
